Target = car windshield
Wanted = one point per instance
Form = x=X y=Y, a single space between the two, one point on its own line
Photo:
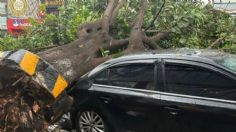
x=226 y=60
x=229 y=62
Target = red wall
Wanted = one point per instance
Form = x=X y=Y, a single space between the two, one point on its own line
x=15 y=25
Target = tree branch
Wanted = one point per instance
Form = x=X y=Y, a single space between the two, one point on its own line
x=108 y=14
x=88 y=28
x=152 y=44
x=136 y=36
x=216 y=43
x=157 y=15
x=159 y=36
x=116 y=44
x=151 y=41
x=139 y=19
x=116 y=11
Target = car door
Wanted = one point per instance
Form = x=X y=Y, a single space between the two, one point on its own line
x=129 y=95
x=199 y=97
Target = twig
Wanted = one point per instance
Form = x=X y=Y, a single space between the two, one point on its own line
x=17 y=81
x=157 y=15
x=227 y=6
x=216 y=43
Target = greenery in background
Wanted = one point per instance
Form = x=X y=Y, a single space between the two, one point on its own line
x=55 y=29
x=192 y=24
x=196 y=26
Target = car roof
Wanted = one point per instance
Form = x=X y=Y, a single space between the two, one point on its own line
x=200 y=55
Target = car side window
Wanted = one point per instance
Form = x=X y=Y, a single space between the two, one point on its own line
x=198 y=81
x=102 y=78
x=139 y=76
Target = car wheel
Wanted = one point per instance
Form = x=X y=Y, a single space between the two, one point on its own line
x=90 y=121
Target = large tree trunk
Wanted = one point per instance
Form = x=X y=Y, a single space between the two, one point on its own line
x=19 y=110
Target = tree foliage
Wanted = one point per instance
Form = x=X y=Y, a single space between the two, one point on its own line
x=192 y=25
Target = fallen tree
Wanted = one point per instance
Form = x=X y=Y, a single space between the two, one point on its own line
x=22 y=109
x=84 y=53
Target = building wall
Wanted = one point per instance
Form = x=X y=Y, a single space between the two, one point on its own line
x=229 y=5
x=225 y=5
x=23 y=8
x=19 y=12
x=3 y=15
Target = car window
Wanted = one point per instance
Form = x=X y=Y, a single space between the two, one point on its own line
x=102 y=78
x=198 y=81
x=140 y=76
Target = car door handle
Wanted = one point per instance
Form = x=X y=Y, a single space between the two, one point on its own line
x=172 y=109
x=106 y=99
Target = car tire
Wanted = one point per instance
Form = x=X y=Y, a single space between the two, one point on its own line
x=91 y=120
